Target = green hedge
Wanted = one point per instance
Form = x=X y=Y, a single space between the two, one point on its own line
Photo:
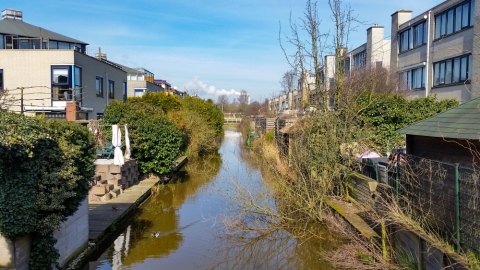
x=45 y=171
x=207 y=110
x=155 y=141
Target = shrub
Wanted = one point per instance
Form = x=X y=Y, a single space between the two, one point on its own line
x=45 y=171
x=155 y=141
x=200 y=137
x=165 y=101
x=206 y=110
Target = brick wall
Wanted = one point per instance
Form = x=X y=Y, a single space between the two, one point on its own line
x=72 y=237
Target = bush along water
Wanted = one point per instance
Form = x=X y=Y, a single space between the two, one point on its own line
x=45 y=171
x=162 y=127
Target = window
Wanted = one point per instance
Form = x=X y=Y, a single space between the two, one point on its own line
x=359 y=59
x=99 y=86
x=452 y=71
x=420 y=34
x=111 y=89
x=61 y=83
x=1 y=80
x=77 y=79
x=454 y=19
x=415 y=78
x=125 y=94
x=404 y=40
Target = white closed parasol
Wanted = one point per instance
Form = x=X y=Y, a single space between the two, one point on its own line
x=117 y=142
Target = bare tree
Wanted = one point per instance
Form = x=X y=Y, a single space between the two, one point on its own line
x=222 y=101
x=243 y=101
x=345 y=22
x=288 y=81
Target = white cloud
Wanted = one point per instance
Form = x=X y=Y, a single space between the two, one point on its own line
x=200 y=87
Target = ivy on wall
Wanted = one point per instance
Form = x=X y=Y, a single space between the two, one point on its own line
x=388 y=113
x=45 y=171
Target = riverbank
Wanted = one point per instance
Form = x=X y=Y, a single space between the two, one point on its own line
x=108 y=218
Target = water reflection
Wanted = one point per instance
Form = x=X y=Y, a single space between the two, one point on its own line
x=188 y=216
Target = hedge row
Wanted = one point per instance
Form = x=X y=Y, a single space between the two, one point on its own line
x=45 y=170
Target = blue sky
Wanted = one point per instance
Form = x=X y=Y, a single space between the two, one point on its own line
x=210 y=47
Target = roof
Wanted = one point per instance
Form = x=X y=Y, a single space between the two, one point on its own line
x=21 y=28
x=461 y=122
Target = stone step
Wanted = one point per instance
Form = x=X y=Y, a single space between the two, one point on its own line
x=116 y=192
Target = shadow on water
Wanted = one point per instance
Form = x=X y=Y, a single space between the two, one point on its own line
x=187 y=219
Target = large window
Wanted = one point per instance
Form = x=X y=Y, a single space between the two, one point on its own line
x=61 y=83
x=99 y=86
x=415 y=78
x=111 y=89
x=420 y=34
x=452 y=71
x=359 y=59
x=413 y=37
x=77 y=79
x=454 y=19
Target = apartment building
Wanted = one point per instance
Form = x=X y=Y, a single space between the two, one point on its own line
x=52 y=74
x=436 y=52
x=374 y=53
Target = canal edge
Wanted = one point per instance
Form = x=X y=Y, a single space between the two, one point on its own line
x=120 y=223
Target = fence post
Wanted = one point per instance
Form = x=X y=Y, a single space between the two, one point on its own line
x=457 y=206
x=396 y=181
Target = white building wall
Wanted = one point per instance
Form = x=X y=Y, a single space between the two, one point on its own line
x=72 y=237
x=28 y=68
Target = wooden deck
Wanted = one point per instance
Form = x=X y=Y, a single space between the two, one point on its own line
x=102 y=215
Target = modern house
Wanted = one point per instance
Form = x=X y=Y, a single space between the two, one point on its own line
x=140 y=81
x=46 y=72
x=435 y=51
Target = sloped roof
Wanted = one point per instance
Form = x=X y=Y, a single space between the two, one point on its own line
x=461 y=122
x=21 y=28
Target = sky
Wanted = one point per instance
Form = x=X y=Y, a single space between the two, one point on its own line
x=206 y=47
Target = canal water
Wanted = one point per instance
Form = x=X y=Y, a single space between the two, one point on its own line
x=193 y=223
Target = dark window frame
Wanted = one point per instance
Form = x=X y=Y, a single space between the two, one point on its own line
x=99 y=91
x=459 y=74
x=111 y=89
x=61 y=90
x=442 y=20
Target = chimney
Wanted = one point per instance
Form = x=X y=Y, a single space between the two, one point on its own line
x=12 y=14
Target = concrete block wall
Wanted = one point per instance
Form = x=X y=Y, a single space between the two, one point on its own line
x=72 y=237
x=14 y=254
x=112 y=179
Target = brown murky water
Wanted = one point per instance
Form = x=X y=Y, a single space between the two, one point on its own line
x=188 y=217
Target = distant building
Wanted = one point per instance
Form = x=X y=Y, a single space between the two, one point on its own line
x=140 y=81
x=54 y=72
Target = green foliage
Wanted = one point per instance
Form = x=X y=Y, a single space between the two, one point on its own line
x=165 y=101
x=473 y=261
x=270 y=136
x=388 y=113
x=45 y=170
x=43 y=253
x=155 y=141
x=200 y=136
x=207 y=110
